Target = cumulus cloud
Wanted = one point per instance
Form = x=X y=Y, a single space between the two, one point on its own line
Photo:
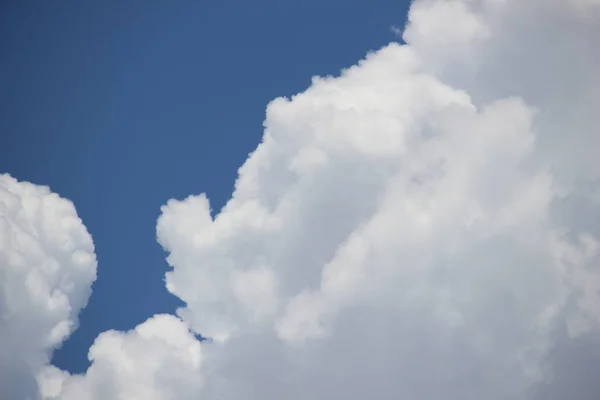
x=47 y=266
x=421 y=226
x=159 y=359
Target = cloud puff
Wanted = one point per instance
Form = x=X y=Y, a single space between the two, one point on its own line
x=422 y=226
x=47 y=266
x=159 y=359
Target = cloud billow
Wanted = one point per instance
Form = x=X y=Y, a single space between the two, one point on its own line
x=417 y=227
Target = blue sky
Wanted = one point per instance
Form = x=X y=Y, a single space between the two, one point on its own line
x=119 y=106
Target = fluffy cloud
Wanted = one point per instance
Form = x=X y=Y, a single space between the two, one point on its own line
x=422 y=226
x=419 y=227
x=47 y=266
x=160 y=359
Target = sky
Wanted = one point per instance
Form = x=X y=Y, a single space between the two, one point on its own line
x=120 y=106
x=349 y=200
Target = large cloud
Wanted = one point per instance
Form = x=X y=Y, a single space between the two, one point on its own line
x=422 y=226
x=419 y=227
x=47 y=266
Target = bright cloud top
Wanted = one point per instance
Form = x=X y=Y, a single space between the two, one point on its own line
x=421 y=226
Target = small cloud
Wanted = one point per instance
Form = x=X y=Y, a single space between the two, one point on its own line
x=396 y=30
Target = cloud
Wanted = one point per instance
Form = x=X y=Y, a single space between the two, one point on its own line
x=422 y=223
x=159 y=359
x=47 y=265
x=421 y=226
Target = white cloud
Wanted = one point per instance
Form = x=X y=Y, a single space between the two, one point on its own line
x=415 y=215
x=159 y=359
x=47 y=266
x=422 y=226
